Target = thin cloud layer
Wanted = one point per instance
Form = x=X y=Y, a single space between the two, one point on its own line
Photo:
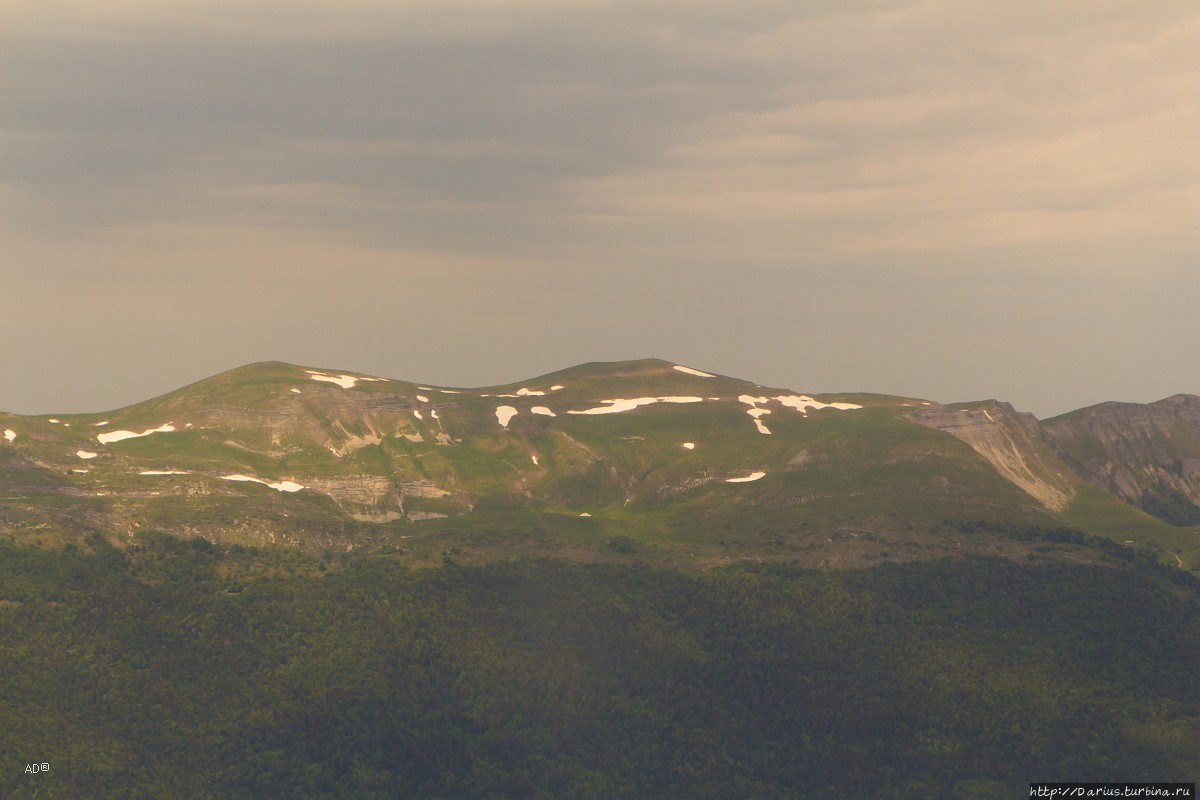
x=861 y=166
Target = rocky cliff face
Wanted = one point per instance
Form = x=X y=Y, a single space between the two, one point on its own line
x=1146 y=454
x=1010 y=441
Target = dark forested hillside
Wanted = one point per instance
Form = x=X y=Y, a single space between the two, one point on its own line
x=175 y=669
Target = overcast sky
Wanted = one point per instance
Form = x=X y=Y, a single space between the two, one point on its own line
x=947 y=199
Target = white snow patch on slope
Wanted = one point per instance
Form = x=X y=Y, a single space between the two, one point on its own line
x=98 y=424
x=523 y=392
x=688 y=445
x=753 y=476
x=163 y=472
x=545 y=412
x=423 y=398
x=118 y=436
x=344 y=381
x=803 y=402
x=10 y=434
x=755 y=412
x=52 y=421
x=446 y=391
x=295 y=391
x=417 y=413
x=696 y=372
x=81 y=471
x=281 y=486
x=619 y=405
x=585 y=514
x=504 y=414
x=534 y=459
x=433 y=413
x=989 y=416
x=556 y=387
x=85 y=454
x=799 y=402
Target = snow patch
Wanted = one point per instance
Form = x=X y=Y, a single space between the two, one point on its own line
x=556 y=387
x=52 y=421
x=619 y=405
x=423 y=398
x=803 y=402
x=163 y=472
x=448 y=391
x=534 y=459
x=85 y=454
x=799 y=402
x=433 y=413
x=545 y=412
x=295 y=391
x=696 y=372
x=344 y=381
x=688 y=445
x=281 y=486
x=414 y=437
x=98 y=424
x=10 y=434
x=118 y=436
x=417 y=413
x=753 y=476
x=585 y=514
x=81 y=471
x=504 y=414
x=989 y=416
x=523 y=392
x=755 y=412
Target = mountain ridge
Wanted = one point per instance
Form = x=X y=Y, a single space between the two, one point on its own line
x=273 y=452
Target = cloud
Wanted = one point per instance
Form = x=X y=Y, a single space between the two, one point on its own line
x=779 y=156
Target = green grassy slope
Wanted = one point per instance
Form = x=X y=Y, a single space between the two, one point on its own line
x=424 y=468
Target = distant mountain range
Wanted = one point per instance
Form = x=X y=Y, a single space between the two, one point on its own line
x=604 y=461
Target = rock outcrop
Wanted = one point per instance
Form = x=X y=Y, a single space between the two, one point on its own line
x=1011 y=442
x=1146 y=454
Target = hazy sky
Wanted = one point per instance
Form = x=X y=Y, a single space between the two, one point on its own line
x=955 y=200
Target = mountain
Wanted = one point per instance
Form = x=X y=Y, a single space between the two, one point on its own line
x=604 y=461
x=1146 y=454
